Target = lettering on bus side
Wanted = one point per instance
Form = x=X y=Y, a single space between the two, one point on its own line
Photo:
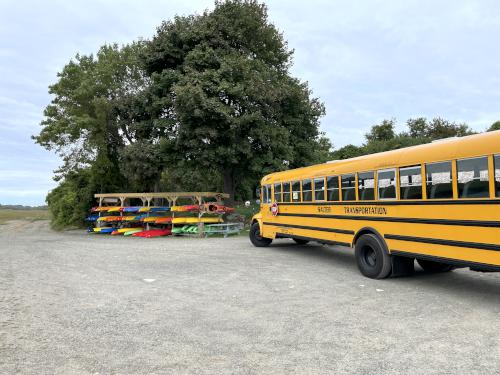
x=365 y=210
x=324 y=209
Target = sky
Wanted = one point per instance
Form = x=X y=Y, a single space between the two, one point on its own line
x=366 y=61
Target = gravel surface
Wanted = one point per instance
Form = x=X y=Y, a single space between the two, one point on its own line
x=72 y=303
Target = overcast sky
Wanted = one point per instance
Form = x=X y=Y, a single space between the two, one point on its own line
x=366 y=60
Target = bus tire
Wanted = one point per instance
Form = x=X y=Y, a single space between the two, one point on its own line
x=434 y=267
x=256 y=239
x=372 y=258
x=300 y=241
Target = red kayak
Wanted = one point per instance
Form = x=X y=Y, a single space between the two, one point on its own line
x=153 y=233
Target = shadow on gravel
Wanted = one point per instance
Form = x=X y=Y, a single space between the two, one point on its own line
x=461 y=283
x=337 y=255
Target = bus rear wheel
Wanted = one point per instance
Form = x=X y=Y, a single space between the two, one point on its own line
x=372 y=258
x=300 y=241
x=434 y=267
x=256 y=239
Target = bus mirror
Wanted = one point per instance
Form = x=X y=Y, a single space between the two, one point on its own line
x=257 y=192
x=257 y=201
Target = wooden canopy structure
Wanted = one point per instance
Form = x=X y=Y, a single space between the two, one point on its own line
x=171 y=197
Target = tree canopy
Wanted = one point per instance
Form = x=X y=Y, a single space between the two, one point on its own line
x=207 y=103
x=383 y=136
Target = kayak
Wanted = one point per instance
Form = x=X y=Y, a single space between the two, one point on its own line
x=187 y=220
x=131 y=218
x=153 y=233
x=98 y=229
x=105 y=208
x=110 y=218
x=151 y=219
x=123 y=230
x=132 y=209
x=159 y=209
x=186 y=208
x=163 y=220
x=177 y=230
x=131 y=232
x=104 y=229
x=92 y=218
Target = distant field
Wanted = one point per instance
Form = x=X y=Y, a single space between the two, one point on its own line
x=30 y=215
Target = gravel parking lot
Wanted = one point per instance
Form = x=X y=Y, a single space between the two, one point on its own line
x=87 y=304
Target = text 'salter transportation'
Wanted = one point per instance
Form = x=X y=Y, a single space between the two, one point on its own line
x=438 y=203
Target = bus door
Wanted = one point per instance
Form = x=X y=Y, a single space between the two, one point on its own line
x=265 y=202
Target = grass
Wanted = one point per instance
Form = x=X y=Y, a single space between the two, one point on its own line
x=29 y=215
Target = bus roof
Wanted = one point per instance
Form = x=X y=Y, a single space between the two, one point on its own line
x=442 y=150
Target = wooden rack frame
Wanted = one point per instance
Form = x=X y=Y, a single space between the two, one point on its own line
x=171 y=197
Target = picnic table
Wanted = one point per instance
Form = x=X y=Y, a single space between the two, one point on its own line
x=225 y=229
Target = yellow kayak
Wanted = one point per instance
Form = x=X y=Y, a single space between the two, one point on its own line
x=151 y=219
x=110 y=218
x=106 y=208
x=190 y=220
x=129 y=218
x=124 y=230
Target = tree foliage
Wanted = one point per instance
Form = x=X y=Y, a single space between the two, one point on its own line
x=494 y=126
x=207 y=104
x=383 y=136
x=232 y=105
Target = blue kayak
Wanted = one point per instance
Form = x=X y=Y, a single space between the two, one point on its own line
x=159 y=209
x=131 y=209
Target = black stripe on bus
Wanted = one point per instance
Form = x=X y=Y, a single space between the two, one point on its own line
x=428 y=202
x=472 y=223
x=438 y=241
x=455 y=262
x=328 y=242
x=331 y=230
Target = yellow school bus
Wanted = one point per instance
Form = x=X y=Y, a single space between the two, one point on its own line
x=438 y=203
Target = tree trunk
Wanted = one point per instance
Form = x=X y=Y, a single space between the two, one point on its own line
x=229 y=186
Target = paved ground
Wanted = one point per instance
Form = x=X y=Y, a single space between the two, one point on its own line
x=87 y=304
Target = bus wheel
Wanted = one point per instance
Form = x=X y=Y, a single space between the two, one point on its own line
x=299 y=241
x=372 y=258
x=256 y=239
x=434 y=267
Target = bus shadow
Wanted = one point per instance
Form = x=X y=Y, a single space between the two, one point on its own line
x=461 y=283
x=336 y=255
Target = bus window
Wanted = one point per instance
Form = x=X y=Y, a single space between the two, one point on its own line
x=497 y=176
x=319 y=189
x=306 y=191
x=472 y=178
x=410 y=181
x=286 y=192
x=296 y=191
x=439 y=182
x=264 y=194
x=386 y=182
x=332 y=189
x=348 y=187
x=366 y=186
x=277 y=192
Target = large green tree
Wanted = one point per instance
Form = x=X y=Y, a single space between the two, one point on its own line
x=209 y=103
x=222 y=85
